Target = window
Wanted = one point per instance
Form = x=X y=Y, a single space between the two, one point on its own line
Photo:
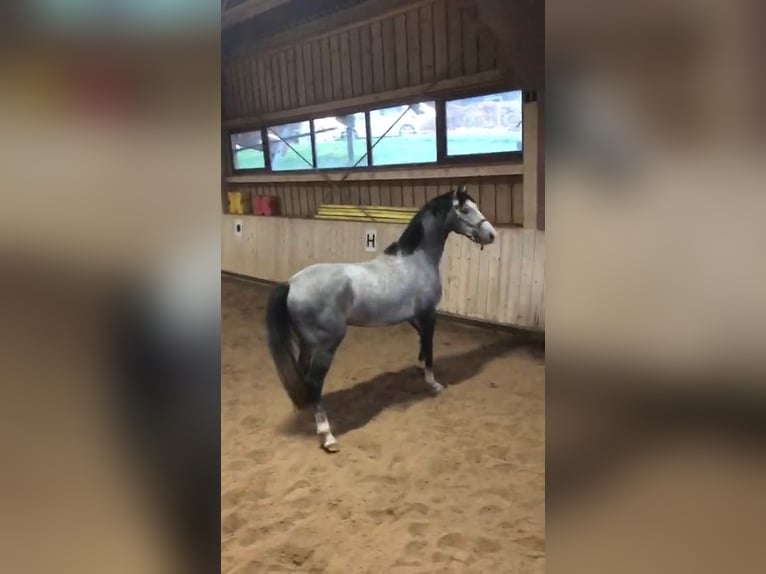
x=247 y=150
x=399 y=135
x=290 y=146
x=484 y=124
x=403 y=134
x=340 y=141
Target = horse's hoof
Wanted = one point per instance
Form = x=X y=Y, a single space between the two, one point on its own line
x=436 y=388
x=331 y=447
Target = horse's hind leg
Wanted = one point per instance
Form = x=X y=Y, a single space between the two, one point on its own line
x=304 y=357
x=427 y=326
x=321 y=360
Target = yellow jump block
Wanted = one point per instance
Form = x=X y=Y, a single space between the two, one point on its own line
x=366 y=213
x=239 y=202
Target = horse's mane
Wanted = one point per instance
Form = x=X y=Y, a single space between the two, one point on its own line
x=413 y=235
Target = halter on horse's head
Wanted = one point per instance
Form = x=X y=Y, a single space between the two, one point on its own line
x=467 y=220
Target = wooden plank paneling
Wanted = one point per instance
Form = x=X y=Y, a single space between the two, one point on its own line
x=292 y=79
x=345 y=62
x=324 y=44
x=408 y=195
x=450 y=274
x=261 y=70
x=253 y=71
x=496 y=261
x=400 y=33
x=283 y=81
x=419 y=194
x=413 y=46
x=527 y=272
x=300 y=76
x=227 y=92
x=513 y=284
x=504 y=280
x=375 y=194
x=441 y=55
x=503 y=204
x=385 y=195
x=239 y=83
x=337 y=72
x=270 y=85
x=389 y=54
x=517 y=200
x=376 y=31
x=463 y=266
x=483 y=287
x=308 y=73
x=365 y=39
x=473 y=297
x=319 y=77
x=487 y=51
x=468 y=14
x=427 y=43
x=486 y=200
x=536 y=315
x=455 y=39
x=355 y=50
x=247 y=78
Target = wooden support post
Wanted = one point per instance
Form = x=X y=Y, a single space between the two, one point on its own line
x=530 y=133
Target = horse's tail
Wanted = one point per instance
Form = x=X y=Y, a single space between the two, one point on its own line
x=279 y=329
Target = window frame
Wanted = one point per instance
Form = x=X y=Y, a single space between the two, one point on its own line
x=266 y=155
x=447 y=159
x=442 y=157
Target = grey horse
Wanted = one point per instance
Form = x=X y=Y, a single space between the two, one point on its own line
x=402 y=284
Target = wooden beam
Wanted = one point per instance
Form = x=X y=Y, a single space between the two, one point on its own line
x=530 y=129
x=518 y=27
x=368 y=11
x=248 y=9
x=405 y=173
x=490 y=79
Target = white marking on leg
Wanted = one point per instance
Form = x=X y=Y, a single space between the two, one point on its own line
x=421 y=364
x=329 y=442
x=436 y=386
x=323 y=425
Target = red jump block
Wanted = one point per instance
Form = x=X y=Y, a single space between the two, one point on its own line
x=266 y=205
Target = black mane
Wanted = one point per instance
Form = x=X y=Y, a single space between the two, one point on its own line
x=412 y=237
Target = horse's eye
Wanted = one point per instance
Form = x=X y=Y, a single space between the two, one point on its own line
x=464 y=210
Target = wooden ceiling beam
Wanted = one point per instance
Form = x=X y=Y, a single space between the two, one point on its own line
x=519 y=29
x=246 y=10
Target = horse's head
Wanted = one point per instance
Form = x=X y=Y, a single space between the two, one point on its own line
x=466 y=219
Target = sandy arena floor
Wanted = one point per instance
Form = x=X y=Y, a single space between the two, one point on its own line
x=422 y=484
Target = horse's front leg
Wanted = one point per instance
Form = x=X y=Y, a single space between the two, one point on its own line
x=329 y=442
x=427 y=323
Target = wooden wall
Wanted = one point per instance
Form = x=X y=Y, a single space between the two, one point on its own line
x=500 y=198
x=504 y=283
x=426 y=48
x=412 y=47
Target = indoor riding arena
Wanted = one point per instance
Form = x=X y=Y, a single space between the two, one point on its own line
x=341 y=120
